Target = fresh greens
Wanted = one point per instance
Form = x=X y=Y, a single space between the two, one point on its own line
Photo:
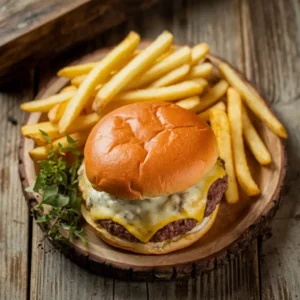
x=57 y=184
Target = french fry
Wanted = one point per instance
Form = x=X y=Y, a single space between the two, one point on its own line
x=40 y=153
x=78 y=80
x=52 y=113
x=178 y=58
x=234 y=107
x=96 y=76
x=173 y=92
x=165 y=55
x=253 y=100
x=55 y=114
x=254 y=142
x=44 y=105
x=135 y=67
x=69 y=88
x=172 y=77
x=78 y=70
x=220 y=125
x=212 y=96
x=203 y=70
x=83 y=69
x=205 y=114
x=189 y=103
x=199 y=52
x=82 y=123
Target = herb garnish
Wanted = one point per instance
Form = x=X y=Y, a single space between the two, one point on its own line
x=57 y=184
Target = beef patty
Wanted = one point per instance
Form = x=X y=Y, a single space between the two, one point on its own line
x=179 y=227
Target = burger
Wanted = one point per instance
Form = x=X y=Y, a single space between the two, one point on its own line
x=151 y=179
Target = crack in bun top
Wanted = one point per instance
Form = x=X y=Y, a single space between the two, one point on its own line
x=145 y=150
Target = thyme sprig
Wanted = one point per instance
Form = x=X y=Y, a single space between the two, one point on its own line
x=57 y=184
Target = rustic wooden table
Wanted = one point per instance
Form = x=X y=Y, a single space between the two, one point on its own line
x=259 y=37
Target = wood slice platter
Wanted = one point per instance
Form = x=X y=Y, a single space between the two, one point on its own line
x=236 y=225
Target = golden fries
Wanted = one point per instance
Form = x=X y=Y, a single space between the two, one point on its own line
x=96 y=76
x=69 y=88
x=254 y=142
x=135 y=67
x=44 y=105
x=172 y=77
x=178 y=58
x=77 y=81
x=220 y=125
x=199 y=52
x=253 y=100
x=82 y=123
x=189 y=103
x=205 y=114
x=213 y=95
x=40 y=153
x=173 y=92
x=158 y=73
x=203 y=70
x=243 y=174
x=78 y=70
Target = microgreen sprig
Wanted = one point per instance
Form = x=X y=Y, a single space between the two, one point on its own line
x=57 y=184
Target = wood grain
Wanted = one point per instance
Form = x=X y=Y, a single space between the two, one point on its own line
x=37 y=29
x=272 y=58
x=14 y=221
x=268 y=52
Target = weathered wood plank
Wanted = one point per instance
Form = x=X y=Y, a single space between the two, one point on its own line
x=14 y=229
x=130 y=290
x=53 y=25
x=271 y=35
x=231 y=281
x=53 y=276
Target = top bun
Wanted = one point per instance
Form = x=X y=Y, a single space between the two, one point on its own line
x=145 y=150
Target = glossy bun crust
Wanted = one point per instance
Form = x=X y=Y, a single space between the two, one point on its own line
x=166 y=246
x=145 y=150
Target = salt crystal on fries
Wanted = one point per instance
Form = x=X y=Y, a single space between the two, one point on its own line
x=234 y=108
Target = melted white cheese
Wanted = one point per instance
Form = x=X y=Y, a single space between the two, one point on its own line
x=143 y=218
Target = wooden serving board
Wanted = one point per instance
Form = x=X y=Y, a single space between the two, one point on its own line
x=236 y=225
x=31 y=30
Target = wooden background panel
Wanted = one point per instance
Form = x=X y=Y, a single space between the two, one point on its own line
x=273 y=50
x=14 y=221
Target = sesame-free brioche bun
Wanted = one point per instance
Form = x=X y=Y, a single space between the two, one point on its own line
x=179 y=242
x=144 y=150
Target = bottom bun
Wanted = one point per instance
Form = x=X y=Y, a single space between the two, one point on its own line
x=163 y=247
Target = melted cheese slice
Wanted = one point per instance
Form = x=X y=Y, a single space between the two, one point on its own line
x=145 y=217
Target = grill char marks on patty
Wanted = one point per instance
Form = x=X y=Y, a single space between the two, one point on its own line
x=179 y=227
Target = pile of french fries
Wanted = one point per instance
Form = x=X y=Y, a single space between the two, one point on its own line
x=159 y=72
